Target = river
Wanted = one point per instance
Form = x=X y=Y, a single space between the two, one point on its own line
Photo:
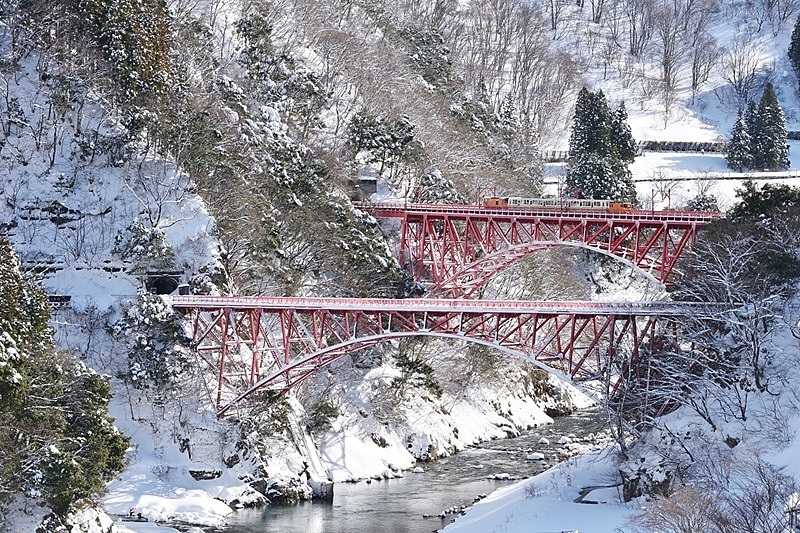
x=398 y=505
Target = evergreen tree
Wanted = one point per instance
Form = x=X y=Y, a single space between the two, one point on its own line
x=591 y=130
x=770 y=139
x=739 y=150
x=299 y=93
x=623 y=187
x=578 y=139
x=621 y=136
x=751 y=117
x=766 y=201
x=751 y=124
x=385 y=142
x=56 y=438
x=159 y=352
x=430 y=55
x=134 y=36
x=436 y=189
x=794 y=48
x=703 y=202
x=479 y=109
x=601 y=146
x=508 y=123
x=480 y=99
x=591 y=176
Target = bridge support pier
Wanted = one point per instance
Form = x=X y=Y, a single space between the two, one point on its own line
x=321 y=490
x=316 y=475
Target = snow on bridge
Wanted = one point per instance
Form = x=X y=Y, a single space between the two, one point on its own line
x=267 y=303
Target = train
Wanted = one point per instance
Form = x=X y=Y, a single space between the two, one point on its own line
x=506 y=202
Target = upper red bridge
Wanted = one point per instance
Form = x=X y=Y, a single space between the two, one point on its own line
x=457 y=248
x=260 y=343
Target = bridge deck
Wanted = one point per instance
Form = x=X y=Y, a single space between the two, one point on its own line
x=660 y=308
x=400 y=209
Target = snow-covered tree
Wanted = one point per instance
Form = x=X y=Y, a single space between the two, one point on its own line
x=750 y=495
x=622 y=139
x=592 y=176
x=293 y=89
x=386 y=142
x=739 y=151
x=757 y=203
x=751 y=117
x=601 y=146
x=134 y=36
x=703 y=202
x=749 y=260
x=57 y=441
x=591 y=126
x=430 y=55
x=415 y=371
x=758 y=138
x=794 y=48
x=159 y=353
x=770 y=136
x=145 y=247
x=508 y=121
x=436 y=189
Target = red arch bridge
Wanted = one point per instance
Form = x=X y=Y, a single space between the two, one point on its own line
x=456 y=249
x=261 y=343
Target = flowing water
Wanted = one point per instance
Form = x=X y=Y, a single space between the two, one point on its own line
x=400 y=505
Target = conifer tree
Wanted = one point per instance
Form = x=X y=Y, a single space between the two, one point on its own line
x=770 y=138
x=794 y=48
x=508 y=122
x=57 y=441
x=751 y=117
x=591 y=176
x=591 y=130
x=578 y=139
x=601 y=146
x=480 y=98
x=703 y=202
x=621 y=136
x=739 y=150
x=751 y=124
x=134 y=35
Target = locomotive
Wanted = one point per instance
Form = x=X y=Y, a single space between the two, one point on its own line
x=505 y=202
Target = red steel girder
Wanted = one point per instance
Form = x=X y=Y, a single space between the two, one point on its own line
x=252 y=344
x=457 y=248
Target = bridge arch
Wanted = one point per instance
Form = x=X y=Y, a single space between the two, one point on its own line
x=467 y=279
x=281 y=381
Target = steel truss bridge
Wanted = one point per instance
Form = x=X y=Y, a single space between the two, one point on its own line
x=272 y=344
x=456 y=249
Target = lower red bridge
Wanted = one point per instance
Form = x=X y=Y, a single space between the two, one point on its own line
x=455 y=249
x=261 y=343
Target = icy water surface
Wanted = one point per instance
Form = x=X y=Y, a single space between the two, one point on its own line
x=398 y=505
